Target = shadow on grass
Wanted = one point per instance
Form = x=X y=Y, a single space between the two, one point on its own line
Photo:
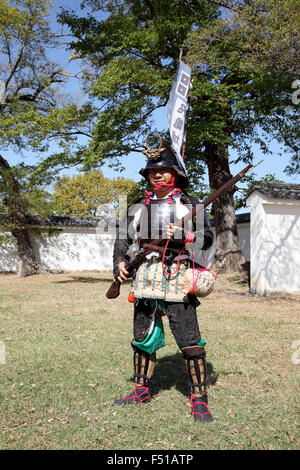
x=170 y=371
x=90 y=280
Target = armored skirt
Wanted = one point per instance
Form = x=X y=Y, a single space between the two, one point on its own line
x=152 y=281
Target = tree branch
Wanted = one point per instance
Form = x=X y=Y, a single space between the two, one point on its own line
x=4 y=165
x=76 y=132
x=15 y=66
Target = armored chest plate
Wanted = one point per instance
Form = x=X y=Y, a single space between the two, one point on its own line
x=155 y=217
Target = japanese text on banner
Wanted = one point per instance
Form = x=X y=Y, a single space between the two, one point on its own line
x=177 y=108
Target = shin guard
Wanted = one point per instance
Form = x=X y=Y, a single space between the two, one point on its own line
x=195 y=364
x=143 y=364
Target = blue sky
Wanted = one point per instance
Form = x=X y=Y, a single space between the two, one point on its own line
x=133 y=162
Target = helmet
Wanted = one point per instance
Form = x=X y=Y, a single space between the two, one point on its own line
x=165 y=158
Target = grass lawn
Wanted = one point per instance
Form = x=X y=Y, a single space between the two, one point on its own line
x=68 y=356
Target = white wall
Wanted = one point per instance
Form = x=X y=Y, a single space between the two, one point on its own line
x=74 y=250
x=86 y=249
x=70 y=250
x=244 y=236
x=8 y=255
x=274 y=244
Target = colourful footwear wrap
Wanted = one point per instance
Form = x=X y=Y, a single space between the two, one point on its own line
x=200 y=410
x=138 y=395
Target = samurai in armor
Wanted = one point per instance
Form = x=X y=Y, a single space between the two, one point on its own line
x=158 y=282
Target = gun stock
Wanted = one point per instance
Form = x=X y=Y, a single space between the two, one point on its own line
x=114 y=290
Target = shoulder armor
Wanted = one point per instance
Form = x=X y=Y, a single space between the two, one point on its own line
x=138 y=199
x=186 y=198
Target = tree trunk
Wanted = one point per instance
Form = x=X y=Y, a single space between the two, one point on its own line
x=228 y=250
x=28 y=263
x=17 y=222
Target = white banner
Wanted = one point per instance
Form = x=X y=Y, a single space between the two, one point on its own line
x=177 y=109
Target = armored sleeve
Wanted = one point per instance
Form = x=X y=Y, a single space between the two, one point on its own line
x=123 y=239
x=203 y=233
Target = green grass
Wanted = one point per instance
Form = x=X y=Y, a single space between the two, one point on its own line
x=68 y=356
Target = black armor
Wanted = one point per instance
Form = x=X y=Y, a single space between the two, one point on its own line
x=148 y=220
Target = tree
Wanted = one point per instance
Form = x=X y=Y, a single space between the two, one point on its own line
x=133 y=48
x=32 y=113
x=91 y=194
x=246 y=63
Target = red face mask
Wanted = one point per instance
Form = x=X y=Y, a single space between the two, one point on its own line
x=165 y=185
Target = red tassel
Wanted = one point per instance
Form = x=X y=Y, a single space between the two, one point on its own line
x=148 y=194
x=131 y=297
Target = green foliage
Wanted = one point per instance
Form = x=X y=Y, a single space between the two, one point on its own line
x=133 y=53
x=35 y=199
x=29 y=80
x=243 y=69
x=3 y=238
x=250 y=59
x=34 y=111
x=45 y=233
x=91 y=194
x=38 y=202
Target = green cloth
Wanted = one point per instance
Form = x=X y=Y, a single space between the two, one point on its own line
x=202 y=342
x=155 y=338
